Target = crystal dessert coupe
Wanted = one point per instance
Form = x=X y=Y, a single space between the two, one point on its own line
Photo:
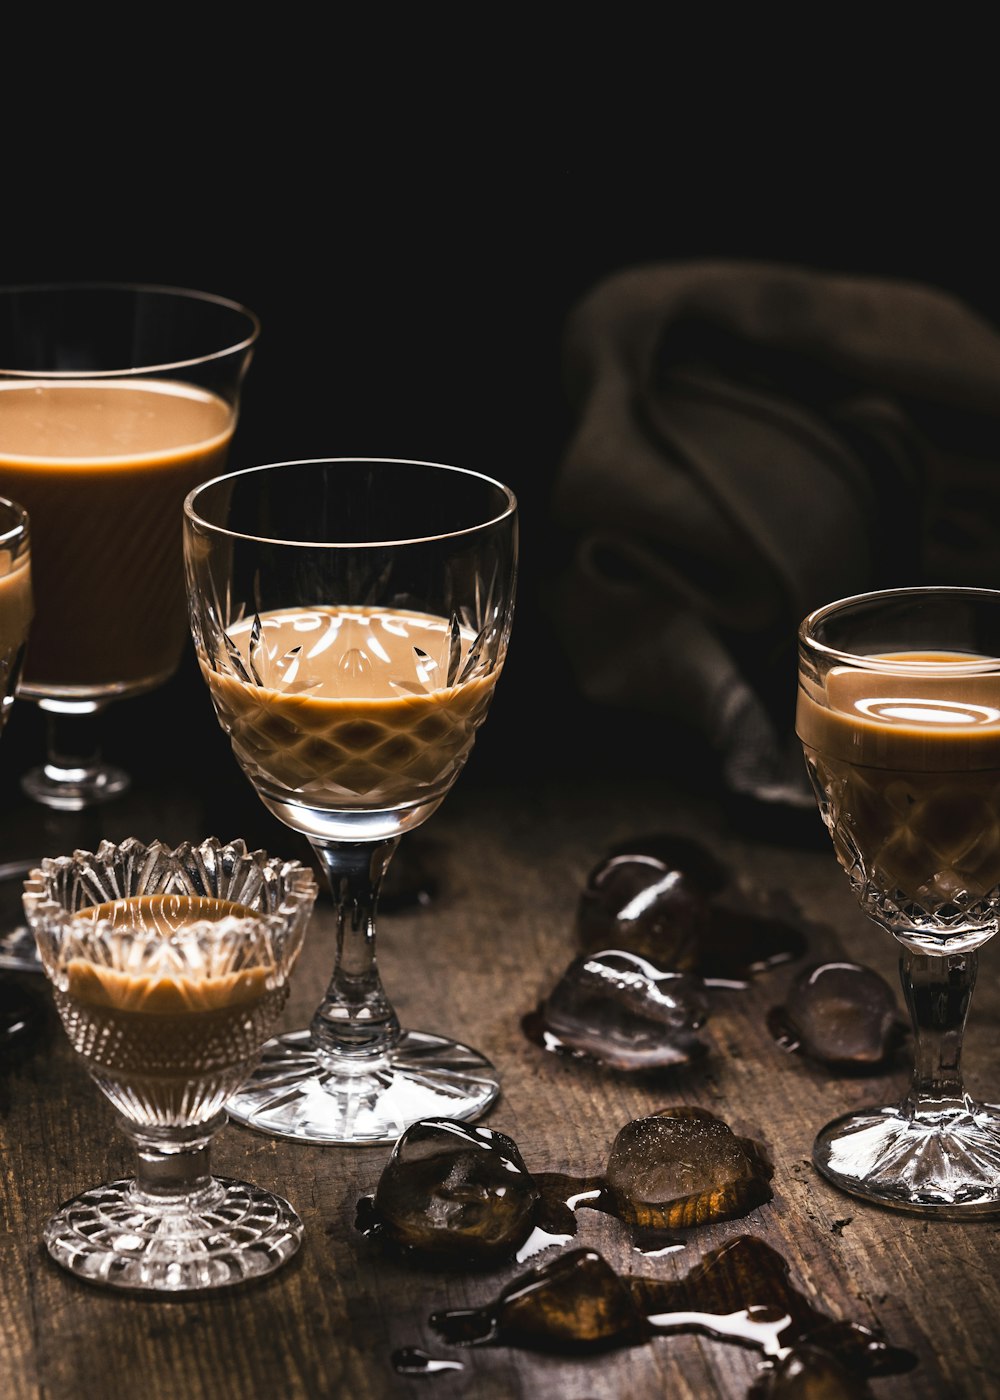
x=899 y=717
x=169 y=969
x=351 y=618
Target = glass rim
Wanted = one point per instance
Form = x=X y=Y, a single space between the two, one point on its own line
x=20 y=529
x=193 y=518
x=40 y=900
x=972 y=665
x=149 y=288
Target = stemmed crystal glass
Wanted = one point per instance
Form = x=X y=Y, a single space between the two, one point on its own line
x=899 y=717
x=169 y=969
x=115 y=399
x=351 y=618
x=16 y=605
x=17 y=1008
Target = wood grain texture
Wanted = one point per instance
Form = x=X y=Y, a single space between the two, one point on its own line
x=510 y=864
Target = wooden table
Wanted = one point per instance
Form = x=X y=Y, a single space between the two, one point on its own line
x=510 y=856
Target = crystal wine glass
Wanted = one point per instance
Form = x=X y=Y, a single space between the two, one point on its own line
x=115 y=399
x=899 y=717
x=351 y=618
x=17 y=1008
x=169 y=969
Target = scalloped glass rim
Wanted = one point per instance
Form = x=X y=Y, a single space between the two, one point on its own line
x=61 y=886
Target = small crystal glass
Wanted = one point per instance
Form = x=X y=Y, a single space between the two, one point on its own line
x=899 y=717
x=18 y=1008
x=169 y=969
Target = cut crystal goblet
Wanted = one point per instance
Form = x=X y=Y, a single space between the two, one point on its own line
x=899 y=716
x=351 y=618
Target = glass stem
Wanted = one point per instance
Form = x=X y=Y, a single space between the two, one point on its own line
x=172 y=1164
x=74 y=775
x=73 y=747
x=938 y=990
x=355 y=1020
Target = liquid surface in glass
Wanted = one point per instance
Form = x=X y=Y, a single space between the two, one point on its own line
x=352 y=707
x=907 y=770
x=102 y=467
x=167 y=1034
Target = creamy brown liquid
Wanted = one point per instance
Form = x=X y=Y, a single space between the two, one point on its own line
x=102 y=467
x=15 y=622
x=908 y=767
x=172 y=1041
x=194 y=989
x=375 y=725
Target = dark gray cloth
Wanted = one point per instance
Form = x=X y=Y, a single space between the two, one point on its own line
x=751 y=441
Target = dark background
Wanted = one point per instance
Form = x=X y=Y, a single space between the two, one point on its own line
x=413 y=256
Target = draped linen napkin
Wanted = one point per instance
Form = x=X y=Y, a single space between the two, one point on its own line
x=750 y=441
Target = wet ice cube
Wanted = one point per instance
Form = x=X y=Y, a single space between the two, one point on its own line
x=841 y=1013
x=456 y=1191
x=622 y=1010
x=651 y=896
x=684 y=1166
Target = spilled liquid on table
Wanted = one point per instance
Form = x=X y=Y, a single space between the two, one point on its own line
x=740 y=1293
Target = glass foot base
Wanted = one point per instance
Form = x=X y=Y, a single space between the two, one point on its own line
x=297 y=1093
x=108 y=1237
x=946 y=1164
x=19 y=952
x=75 y=789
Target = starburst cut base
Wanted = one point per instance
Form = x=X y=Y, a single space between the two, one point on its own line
x=107 y=1236
x=297 y=1093
x=946 y=1164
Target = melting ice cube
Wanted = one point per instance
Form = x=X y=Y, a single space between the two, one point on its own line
x=840 y=1013
x=619 y=1009
x=455 y=1191
x=684 y=1166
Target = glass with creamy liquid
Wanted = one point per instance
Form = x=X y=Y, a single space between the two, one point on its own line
x=169 y=969
x=16 y=602
x=115 y=400
x=351 y=619
x=18 y=1008
x=898 y=713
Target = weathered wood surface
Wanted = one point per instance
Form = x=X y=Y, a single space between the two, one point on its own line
x=511 y=862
